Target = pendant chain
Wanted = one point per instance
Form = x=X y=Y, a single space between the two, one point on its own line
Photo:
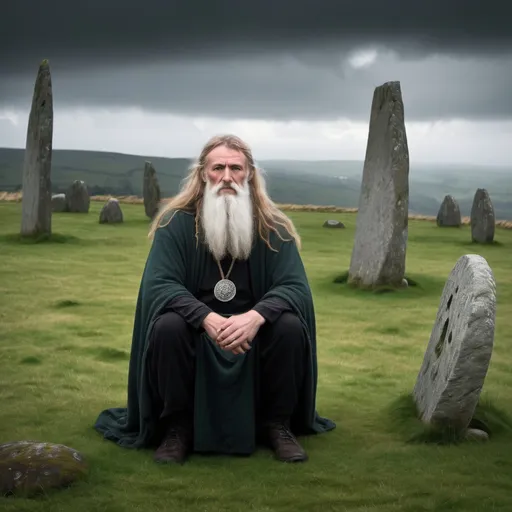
x=229 y=271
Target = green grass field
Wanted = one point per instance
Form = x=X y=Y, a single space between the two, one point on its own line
x=66 y=320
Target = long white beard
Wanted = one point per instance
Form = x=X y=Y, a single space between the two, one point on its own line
x=227 y=221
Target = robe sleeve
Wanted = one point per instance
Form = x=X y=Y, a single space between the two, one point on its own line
x=192 y=310
x=271 y=308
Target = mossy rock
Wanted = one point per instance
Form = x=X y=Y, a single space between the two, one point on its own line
x=31 y=468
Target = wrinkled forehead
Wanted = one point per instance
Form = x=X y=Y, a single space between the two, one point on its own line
x=226 y=157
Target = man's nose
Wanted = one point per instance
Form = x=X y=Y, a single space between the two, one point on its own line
x=227 y=175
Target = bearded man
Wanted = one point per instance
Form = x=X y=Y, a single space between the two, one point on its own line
x=224 y=341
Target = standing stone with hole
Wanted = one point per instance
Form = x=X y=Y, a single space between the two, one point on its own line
x=449 y=213
x=151 y=191
x=378 y=255
x=36 y=210
x=460 y=347
x=483 y=220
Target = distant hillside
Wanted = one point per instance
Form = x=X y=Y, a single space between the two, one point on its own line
x=289 y=181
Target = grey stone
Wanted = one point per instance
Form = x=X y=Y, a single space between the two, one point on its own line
x=77 y=197
x=59 y=203
x=151 y=191
x=449 y=213
x=483 y=220
x=333 y=224
x=475 y=434
x=36 y=213
x=457 y=357
x=111 y=212
x=30 y=468
x=378 y=255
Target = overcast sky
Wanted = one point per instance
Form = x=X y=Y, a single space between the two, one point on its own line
x=294 y=78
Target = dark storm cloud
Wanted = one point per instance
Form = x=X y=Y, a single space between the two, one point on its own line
x=94 y=30
x=279 y=59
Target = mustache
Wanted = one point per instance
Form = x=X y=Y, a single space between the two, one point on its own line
x=225 y=186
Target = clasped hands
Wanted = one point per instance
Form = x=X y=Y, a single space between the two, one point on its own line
x=234 y=333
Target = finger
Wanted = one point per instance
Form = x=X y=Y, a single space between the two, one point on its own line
x=234 y=340
x=237 y=350
x=227 y=332
x=239 y=338
x=229 y=337
x=226 y=323
x=246 y=346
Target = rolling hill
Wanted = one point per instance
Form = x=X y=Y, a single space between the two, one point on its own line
x=288 y=181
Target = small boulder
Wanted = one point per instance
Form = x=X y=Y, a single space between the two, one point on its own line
x=449 y=213
x=111 y=212
x=77 y=197
x=30 y=468
x=333 y=224
x=59 y=203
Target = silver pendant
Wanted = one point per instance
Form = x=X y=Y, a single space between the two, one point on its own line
x=224 y=290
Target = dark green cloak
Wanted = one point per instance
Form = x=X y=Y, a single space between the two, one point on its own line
x=225 y=387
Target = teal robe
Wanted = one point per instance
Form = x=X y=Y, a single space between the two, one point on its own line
x=225 y=384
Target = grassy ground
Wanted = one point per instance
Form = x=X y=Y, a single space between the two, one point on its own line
x=66 y=314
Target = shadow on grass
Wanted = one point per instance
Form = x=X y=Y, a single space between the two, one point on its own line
x=108 y=238
x=66 y=303
x=418 y=286
x=54 y=238
x=403 y=419
x=476 y=245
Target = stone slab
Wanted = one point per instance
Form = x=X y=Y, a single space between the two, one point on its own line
x=111 y=212
x=36 y=209
x=458 y=353
x=151 y=191
x=77 y=197
x=449 y=213
x=483 y=219
x=379 y=252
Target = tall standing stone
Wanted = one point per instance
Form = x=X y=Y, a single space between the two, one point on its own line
x=483 y=221
x=378 y=256
x=36 y=213
x=458 y=353
x=449 y=213
x=151 y=190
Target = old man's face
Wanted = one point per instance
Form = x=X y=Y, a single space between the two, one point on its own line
x=225 y=167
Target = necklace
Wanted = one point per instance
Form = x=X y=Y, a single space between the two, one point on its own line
x=225 y=289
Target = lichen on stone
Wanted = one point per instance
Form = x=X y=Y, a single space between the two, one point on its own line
x=30 y=468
